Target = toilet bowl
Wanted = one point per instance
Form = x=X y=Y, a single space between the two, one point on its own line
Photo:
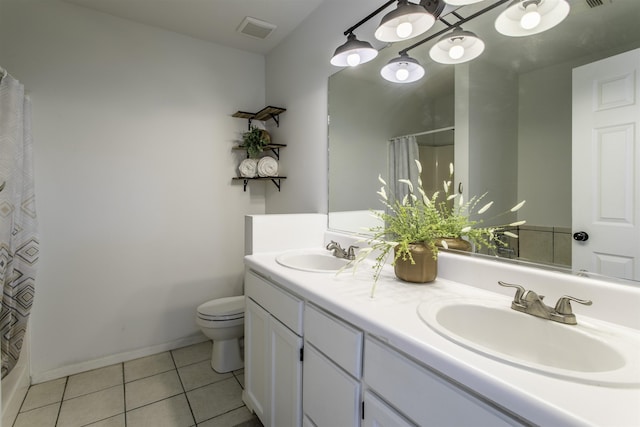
x=222 y=320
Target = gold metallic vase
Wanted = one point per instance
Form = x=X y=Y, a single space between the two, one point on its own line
x=425 y=268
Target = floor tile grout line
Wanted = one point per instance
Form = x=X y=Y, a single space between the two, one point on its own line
x=184 y=391
x=64 y=390
x=124 y=396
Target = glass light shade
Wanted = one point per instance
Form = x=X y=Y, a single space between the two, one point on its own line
x=461 y=2
x=457 y=47
x=353 y=52
x=405 y=22
x=402 y=69
x=551 y=12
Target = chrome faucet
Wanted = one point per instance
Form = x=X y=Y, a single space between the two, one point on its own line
x=339 y=252
x=531 y=303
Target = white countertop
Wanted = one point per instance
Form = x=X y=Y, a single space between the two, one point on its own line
x=392 y=317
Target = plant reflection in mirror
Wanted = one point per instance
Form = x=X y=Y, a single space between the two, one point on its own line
x=420 y=219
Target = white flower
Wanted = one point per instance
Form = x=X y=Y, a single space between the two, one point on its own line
x=419 y=165
x=510 y=234
x=406 y=181
x=414 y=198
x=446 y=185
x=381 y=180
x=405 y=200
x=485 y=208
x=518 y=206
x=452 y=196
x=383 y=193
x=466 y=229
x=444 y=244
x=517 y=223
x=461 y=202
x=450 y=168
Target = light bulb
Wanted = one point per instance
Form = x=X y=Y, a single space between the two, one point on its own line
x=353 y=59
x=456 y=51
x=404 y=30
x=402 y=74
x=531 y=18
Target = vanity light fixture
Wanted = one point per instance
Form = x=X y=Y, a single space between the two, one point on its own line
x=408 y=20
x=403 y=69
x=527 y=17
x=457 y=47
x=521 y=18
x=353 y=52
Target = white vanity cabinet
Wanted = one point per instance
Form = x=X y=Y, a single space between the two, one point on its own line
x=419 y=394
x=332 y=370
x=273 y=345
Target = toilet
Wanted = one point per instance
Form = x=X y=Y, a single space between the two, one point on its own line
x=222 y=320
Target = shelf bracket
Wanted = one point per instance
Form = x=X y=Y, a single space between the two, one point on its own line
x=276 y=182
x=276 y=118
x=276 y=152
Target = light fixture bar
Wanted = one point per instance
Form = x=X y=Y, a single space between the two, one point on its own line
x=450 y=26
x=369 y=16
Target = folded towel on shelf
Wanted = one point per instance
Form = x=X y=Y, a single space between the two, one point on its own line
x=248 y=168
x=268 y=166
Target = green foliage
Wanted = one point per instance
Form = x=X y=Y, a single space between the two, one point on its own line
x=255 y=140
x=420 y=219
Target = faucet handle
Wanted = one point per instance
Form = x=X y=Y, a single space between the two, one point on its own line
x=563 y=306
x=519 y=291
x=351 y=250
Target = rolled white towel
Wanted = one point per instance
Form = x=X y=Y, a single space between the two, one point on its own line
x=268 y=166
x=248 y=168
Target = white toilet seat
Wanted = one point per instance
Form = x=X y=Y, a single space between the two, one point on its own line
x=222 y=309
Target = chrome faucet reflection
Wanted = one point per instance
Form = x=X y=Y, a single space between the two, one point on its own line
x=339 y=252
x=531 y=303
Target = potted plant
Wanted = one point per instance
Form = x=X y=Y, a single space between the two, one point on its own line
x=255 y=140
x=416 y=226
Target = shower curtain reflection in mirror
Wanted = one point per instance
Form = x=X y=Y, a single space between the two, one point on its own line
x=19 y=243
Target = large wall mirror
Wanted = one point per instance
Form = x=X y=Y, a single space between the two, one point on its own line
x=504 y=119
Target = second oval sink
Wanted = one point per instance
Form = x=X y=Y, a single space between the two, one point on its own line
x=312 y=260
x=580 y=352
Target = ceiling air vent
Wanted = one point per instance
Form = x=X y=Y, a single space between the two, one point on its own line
x=594 y=3
x=256 y=28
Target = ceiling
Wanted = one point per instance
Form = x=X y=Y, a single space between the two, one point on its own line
x=212 y=20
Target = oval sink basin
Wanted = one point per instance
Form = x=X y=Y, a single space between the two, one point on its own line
x=583 y=352
x=313 y=260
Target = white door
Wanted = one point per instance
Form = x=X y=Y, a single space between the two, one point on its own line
x=606 y=156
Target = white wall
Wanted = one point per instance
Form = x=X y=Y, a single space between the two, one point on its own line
x=140 y=221
x=296 y=78
x=486 y=148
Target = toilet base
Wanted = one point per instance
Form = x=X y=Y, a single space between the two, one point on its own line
x=226 y=356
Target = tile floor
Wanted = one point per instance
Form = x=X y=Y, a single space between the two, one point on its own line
x=176 y=388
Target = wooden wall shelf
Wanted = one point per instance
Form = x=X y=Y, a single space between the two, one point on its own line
x=266 y=113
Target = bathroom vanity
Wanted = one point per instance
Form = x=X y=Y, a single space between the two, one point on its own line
x=319 y=351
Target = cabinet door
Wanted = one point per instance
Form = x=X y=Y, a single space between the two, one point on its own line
x=256 y=360
x=379 y=414
x=330 y=397
x=285 y=376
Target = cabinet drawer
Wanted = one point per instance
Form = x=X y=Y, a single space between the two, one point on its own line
x=281 y=304
x=330 y=397
x=342 y=343
x=423 y=396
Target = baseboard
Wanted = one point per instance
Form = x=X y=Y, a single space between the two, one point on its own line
x=113 y=359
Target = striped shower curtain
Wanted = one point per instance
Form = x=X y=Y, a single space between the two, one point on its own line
x=19 y=244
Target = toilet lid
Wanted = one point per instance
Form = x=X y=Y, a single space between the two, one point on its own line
x=222 y=308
